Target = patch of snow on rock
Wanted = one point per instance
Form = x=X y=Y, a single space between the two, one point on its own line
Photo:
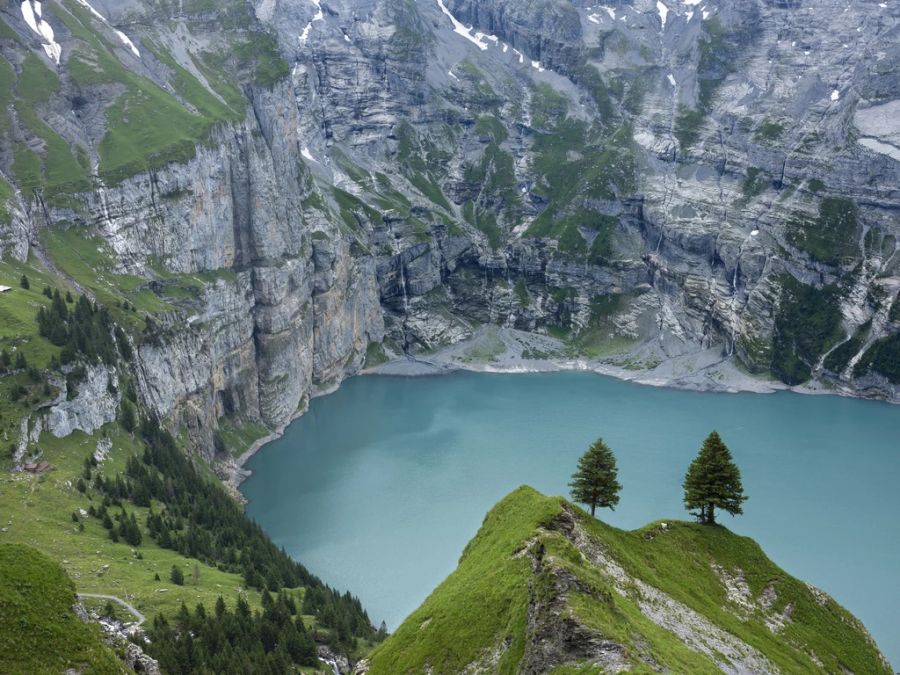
x=307 y=154
x=31 y=12
x=87 y=6
x=28 y=15
x=459 y=28
x=319 y=16
x=122 y=37
x=835 y=95
x=663 y=12
x=672 y=79
x=128 y=43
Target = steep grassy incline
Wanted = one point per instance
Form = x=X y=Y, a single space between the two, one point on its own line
x=545 y=588
x=39 y=631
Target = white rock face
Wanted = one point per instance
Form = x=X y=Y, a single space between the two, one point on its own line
x=93 y=407
x=879 y=128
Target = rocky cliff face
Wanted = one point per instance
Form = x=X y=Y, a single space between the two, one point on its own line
x=652 y=178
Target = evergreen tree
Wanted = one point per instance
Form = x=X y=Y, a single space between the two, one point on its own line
x=127 y=416
x=24 y=283
x=176 y=576
x=713 y=481
x=595 y=481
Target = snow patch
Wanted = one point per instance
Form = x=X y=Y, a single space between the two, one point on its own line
x=537 y=66
x=672 y=79
x=87 y=6
x=122 y=37
x=663 y=12
x=451 y=74
x=835 y=95
x=318 y=16
x=31 y=12
x=459 y=28
x=595 y=18
x=28 y=15
x=306 y=154
x=128 y=43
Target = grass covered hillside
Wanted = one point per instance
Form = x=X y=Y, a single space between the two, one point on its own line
x=39 y=631
x=545 y=588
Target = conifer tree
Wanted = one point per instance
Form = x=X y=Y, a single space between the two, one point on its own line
x=595 y=481
x=713 y=481
x=176 y=576
x=127 y=416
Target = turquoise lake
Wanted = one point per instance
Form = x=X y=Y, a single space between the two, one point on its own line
x=380 y=485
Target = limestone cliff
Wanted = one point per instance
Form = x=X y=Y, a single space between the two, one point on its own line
x=285 y=182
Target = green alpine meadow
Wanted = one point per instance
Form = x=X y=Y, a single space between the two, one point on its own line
x=293 y=292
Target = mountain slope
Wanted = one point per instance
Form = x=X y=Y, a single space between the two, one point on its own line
x=545 y=588
x=283 y=185
x=39 y=630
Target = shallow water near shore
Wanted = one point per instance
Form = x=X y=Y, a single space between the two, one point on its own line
x=380 y=485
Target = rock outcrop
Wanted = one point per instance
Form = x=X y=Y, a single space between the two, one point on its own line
x=94 y=404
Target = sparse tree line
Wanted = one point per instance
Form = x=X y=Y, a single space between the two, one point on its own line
x=194 y=516
x=712 y=481
x=87 y=331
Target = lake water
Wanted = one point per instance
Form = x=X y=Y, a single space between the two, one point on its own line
x=380 y=485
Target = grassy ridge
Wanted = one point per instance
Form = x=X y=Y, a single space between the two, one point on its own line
x=40 y=508
x=481 y=612
x=485 y=600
